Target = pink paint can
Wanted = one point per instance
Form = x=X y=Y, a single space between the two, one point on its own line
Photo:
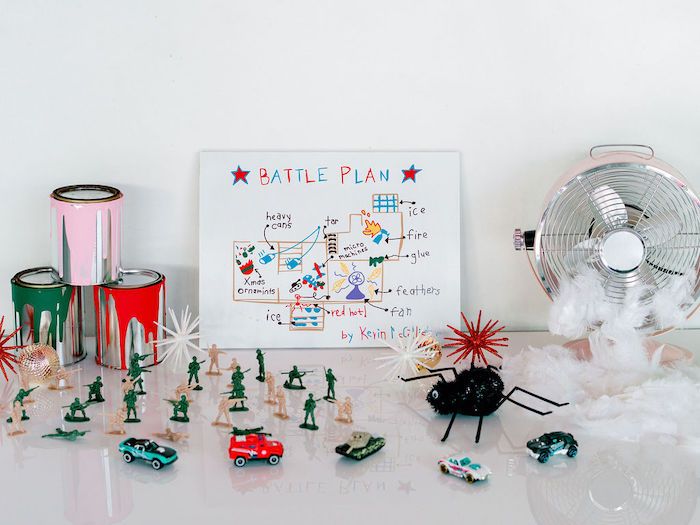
x=86 y=233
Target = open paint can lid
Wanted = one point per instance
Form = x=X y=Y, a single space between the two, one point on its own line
x=135 y=278
x=86 y=193
x=42 y=277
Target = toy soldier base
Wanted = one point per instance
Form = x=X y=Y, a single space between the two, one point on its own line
x=290 y=386
x=180 y=419
x=280 y=415
x=16 y=433
x=75 y=419
x=308 y=426
x=239 y=405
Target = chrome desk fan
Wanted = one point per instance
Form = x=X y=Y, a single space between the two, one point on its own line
x=627 y=215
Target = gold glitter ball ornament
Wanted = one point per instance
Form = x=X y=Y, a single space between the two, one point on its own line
x=435 y=353
x=37 y=363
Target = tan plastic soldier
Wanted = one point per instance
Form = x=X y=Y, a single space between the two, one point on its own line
x=344 y=411
x=60 y=379
x=270 y=382
x=169 y=435
x=214 y=354
x=223 y=410
x=183 y=389
x=127 y=385
x=281 y=411
x=116 y=421
x=16 y=427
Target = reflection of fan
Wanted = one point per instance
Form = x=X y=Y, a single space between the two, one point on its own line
x=628 y=216
x=623 y=485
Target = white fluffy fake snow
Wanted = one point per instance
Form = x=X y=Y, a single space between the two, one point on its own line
x=619 y=392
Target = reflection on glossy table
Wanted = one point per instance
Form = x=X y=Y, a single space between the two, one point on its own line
x=87 y=482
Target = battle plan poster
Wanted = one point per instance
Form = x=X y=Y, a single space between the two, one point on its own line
x=328 y=250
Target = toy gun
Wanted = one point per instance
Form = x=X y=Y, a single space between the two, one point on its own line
x=27 y=392
x=79 y=406
x=246 y=431
x=24 y=393
x=232 y=392
x=298 y=371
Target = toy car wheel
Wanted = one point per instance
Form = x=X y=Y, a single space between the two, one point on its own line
x=156 y=464
x=273 y=460
x=572 y=452
x=543 y=457
x=128 y=458
x=469 y=478
x=444 y=469
x=239 y=461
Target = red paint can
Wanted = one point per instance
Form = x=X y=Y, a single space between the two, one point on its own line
x=126 y=313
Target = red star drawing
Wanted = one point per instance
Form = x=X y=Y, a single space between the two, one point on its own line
x=410 y=173
x=239 y=175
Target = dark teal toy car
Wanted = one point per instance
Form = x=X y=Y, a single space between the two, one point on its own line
x=147 y=450
x=547 y=445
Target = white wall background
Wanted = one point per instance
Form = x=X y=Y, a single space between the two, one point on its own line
x=127 y=93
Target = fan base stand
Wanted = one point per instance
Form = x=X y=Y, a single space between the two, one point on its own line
x=670 y=354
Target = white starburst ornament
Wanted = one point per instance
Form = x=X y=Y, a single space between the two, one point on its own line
x=179 y=341
x=409 y=356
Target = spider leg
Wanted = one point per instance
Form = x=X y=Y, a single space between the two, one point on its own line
x=518 y=389
x=451 y=368
x=449 y=427
x=422 y=377
x=478 y=429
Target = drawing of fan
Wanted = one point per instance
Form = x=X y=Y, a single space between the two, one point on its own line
x=356 y=278
x=628 y=216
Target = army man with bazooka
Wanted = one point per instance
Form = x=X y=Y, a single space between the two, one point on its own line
x=293 y=374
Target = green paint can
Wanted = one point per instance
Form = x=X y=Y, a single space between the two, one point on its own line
x=49 y=312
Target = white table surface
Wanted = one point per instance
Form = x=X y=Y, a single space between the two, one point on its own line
x=87 y=482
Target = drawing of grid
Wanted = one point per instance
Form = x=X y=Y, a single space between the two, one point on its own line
x=385 y=202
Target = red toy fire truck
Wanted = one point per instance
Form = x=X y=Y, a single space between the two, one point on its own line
x=248 y=444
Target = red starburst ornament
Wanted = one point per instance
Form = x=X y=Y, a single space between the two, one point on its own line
x=476 y=340
x=7 y=358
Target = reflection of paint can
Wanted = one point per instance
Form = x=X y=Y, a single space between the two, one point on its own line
x=126 y=312
x=86 y=233
x=49 y=312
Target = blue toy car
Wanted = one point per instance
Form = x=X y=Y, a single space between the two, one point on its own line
x=147 y=450
x=547 y=445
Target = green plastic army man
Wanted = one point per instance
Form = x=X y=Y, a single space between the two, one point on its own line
x=19 y=398
x=293 y=374
x=130 y=401
x=193 y=370
x=237 y=382
x=261 y=365
x=330 y=379
x=73 y=408
x=180 y=409
x=71 y=435
x=135 y=371
x=95 y=391
x=309 y=407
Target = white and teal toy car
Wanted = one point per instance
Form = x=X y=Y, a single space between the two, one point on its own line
x=147 y=450
x=463 y=467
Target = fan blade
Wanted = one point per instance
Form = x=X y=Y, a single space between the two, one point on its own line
x=609 y=205
x=583 y=252
x=660 y=228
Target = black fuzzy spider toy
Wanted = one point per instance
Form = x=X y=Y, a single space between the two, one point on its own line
x=475 y=391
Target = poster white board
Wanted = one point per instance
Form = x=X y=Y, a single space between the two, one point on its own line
x=319 y=249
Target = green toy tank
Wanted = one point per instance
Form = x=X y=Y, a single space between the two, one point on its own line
x=360 y=445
